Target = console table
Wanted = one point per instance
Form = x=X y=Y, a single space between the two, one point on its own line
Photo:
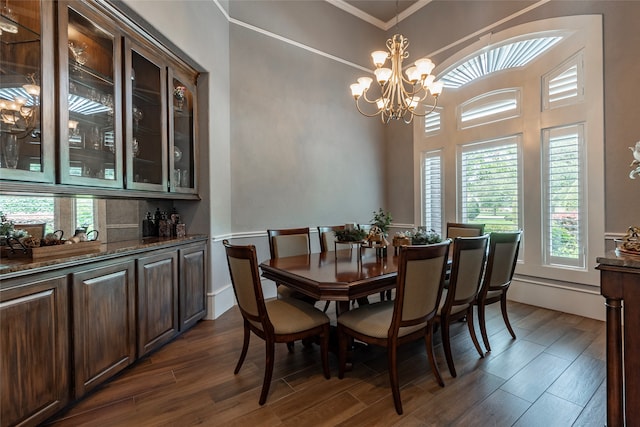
x=620 y=285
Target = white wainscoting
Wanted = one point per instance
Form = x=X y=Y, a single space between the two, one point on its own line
x=580 y=300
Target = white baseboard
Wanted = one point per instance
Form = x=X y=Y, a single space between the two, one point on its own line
x=587 y=303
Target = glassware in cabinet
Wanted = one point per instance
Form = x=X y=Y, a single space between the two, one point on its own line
x=27 y=91
x=182 y=131
x=90 y=124
x=146 y=124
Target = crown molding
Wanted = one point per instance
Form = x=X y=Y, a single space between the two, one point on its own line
x=341 y=4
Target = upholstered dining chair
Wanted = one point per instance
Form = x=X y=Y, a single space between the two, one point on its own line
x=467 y=268
x=289 y=242
x=275 y=321
x=501 y=264
x=421 y=275
x=327 y=237
x=459 y=229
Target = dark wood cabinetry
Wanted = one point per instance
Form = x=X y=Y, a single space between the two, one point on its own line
x=123 y=102
x=104 y=323
x=69 y=327
x=620 y=285
x=157 y=300
x=34 y=339
x=193 y=282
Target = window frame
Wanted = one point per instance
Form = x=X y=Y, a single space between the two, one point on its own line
x=583 y=33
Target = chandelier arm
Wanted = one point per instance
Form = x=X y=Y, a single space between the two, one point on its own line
x=365 y=114
x=426 y=113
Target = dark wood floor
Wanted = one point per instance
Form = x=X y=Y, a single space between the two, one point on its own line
x=552 y=375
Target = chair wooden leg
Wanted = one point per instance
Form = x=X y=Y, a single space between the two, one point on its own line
x=290 y=346
x=483 y=326
x=326 y=306
x=472 y=331
x=446 y=344
x=245 y=347
x=343 y=341
x=428 y=338
x=268 y=370
x=324 y=351
x=505 y=316
x=393 y=375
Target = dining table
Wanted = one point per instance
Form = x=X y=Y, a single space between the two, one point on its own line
x=343 y=275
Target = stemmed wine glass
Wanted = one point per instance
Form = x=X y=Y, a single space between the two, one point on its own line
x=137 y=116
x=78 y=50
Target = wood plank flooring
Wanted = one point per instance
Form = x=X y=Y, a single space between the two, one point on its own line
x=553 y=374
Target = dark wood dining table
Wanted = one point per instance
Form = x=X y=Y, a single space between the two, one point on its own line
x=341 y=276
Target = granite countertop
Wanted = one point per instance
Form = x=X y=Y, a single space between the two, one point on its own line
x=620 y=259
x=107 y=250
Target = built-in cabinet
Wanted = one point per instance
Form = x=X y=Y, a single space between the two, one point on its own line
x=193 y=279
x=157 y=298
x=104 y=323
x=96 y=106
x=68 y=329
x=35 y=344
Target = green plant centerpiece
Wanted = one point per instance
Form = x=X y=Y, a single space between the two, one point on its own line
x=382 y=220
x=350 y=235
x=7 y=229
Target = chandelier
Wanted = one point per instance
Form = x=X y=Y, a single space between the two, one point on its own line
x=400 y=96
x=19 y=108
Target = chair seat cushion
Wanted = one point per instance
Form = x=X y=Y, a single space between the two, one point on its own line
x=374 y=320
x=492 y=294
x=290 y=316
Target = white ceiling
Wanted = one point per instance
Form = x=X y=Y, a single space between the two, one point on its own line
x=381 y=13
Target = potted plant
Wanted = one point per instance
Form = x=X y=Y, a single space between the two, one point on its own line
x=350 y=235
x=382 y=220
x=422 y=236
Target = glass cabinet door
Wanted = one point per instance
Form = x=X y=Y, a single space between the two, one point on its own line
x=182 y=132
x=26 y=91
x=90 y=124
x=146 y=128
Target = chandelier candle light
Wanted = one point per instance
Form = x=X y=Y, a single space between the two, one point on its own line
x=399 y=96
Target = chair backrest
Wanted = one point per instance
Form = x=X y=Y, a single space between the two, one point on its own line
x=34 y=230
x=467 y=268
x=459 y=229
x=502 y=260
x=245 y=278
x=421 y=277
x=327 y=236
x=289 y=242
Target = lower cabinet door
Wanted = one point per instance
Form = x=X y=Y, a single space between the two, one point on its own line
x=193 y=282
x=34 y=346
x=157 y=300
x=103 y=323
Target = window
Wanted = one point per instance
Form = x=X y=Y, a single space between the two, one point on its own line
x=509 y=55
x=432 y=190
x=84 y=213
x=29 y=210
x=56 y=212
x=564 y=85
x=563 y=196
x=489 y=184
x=432 y=122
x=525 y=149
x=489 y=107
